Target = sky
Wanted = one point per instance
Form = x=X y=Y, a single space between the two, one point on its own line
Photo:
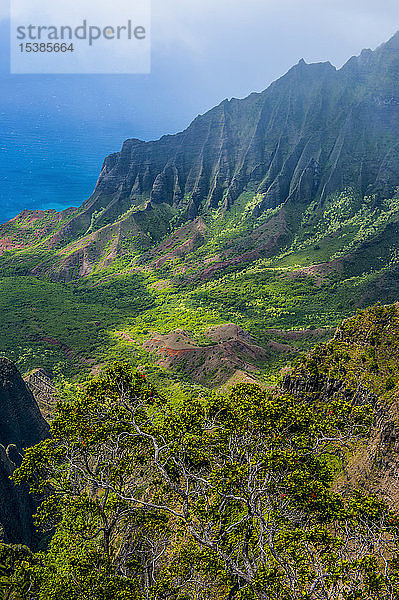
x=55 y=130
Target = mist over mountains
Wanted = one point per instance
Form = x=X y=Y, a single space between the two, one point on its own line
x=314 y=132
x=279 y=211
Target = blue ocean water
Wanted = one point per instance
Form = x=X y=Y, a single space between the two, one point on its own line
x=55 y=134
x=48 y=163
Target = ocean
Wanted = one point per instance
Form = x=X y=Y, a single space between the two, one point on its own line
x=47 y=163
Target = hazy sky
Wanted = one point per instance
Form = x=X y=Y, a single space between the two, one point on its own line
x=202 y=52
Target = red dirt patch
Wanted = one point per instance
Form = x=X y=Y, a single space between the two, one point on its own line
x=321 y=271
x=230 y=349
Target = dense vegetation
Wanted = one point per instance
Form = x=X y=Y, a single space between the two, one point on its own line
x=275 y=212
x=278 y=216
x=226 y=496
x=353 y=242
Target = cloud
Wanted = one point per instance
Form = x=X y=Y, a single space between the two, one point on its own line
x=199 y=25
x=195 y=25
x=104 y=42
x=255 y=40
x=4 y=11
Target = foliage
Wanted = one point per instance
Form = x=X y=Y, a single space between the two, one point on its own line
x=256 y=271
x=363 y=354
x=222 y=497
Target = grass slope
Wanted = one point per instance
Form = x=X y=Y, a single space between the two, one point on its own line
x=292 y=268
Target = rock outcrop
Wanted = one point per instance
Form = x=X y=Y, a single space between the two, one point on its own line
x=314 y=133
x=310 y=134
x=21 y=426
x=360 y=366
x=40 y=383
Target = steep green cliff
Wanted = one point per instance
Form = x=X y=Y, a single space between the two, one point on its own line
x=274 y=213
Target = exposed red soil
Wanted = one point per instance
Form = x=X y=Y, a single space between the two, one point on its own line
x=173 y=352
x=185 y=240
x=249 y=256
x=9 y=244
x=320 y=271
x=29 y=227
x=231 y=349
x=276 y=347
x=236 y=378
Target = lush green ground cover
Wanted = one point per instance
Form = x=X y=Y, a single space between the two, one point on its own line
x=354 y=241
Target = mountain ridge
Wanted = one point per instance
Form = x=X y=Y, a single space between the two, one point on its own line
x=122 y=189
x=277 y=211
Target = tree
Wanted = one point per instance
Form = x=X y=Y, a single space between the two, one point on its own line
x=228 y=497
x=15 y=579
